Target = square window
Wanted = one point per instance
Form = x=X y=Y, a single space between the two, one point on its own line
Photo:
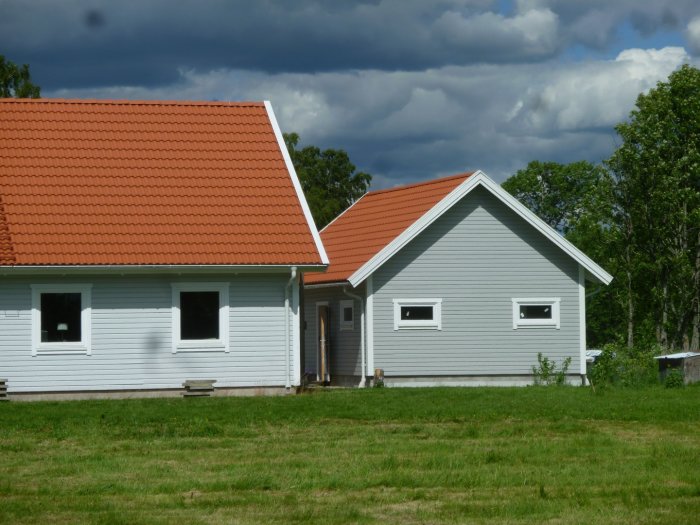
x=537 y=312
x=200 y=317
x=61 y=319
x=419 y=314
x=347 y=315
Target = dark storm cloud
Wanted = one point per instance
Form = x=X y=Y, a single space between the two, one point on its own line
x=136 y=42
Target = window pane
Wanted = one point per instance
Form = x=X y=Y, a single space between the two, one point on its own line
x=535 y=311
x=347 y=314
x=416 y=313
x=60 y=317
x=199 y=315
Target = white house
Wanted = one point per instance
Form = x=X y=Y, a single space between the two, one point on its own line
x=143 y=244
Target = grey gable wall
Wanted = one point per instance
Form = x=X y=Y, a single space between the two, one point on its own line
x=132 y=340
x=476 y=257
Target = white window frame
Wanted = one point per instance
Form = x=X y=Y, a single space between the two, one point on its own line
x=421 y=324
x=554 y=322
x=201 y=345
x=84 y=346
x=347 y=325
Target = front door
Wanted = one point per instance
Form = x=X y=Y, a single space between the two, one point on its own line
x=324 y=331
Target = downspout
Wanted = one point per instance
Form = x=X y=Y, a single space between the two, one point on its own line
x=287 y=346
x=362 y=332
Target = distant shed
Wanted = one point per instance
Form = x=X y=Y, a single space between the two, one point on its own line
x=687 y=362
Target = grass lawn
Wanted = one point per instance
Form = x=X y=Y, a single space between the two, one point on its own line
x=479 y=455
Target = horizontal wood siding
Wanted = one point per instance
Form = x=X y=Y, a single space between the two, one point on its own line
x=132 y=340
x=476 y=258
x=345 y=344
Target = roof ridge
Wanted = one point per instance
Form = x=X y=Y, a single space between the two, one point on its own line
x=125 y=102
x=463 y=175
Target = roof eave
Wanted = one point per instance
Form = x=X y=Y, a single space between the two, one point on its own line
x=156 y=269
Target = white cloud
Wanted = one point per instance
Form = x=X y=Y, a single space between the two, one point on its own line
x=596 y=94
x=692 y=34
x=531 y=33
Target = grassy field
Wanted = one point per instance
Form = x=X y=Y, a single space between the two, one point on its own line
x=529 y=455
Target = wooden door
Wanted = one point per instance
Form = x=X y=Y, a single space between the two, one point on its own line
x=324 y=344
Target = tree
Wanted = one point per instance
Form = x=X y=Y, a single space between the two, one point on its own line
x=328 y=178
x=15 y=81
x=657 y=204
x=561 y=194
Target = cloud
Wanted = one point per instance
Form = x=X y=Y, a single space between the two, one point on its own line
x=88 y=43
x=595 y=95
x=693 y=35
x=406 y=126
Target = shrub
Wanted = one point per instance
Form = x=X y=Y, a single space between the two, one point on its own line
x=622 y=366
x=674 y=379
x=546 y=372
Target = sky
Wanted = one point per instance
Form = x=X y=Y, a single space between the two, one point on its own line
x=411 y=89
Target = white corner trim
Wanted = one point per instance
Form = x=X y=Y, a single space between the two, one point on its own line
x=296 y=183
x=84 y=346
x=204 y=345
x=554 y=322
x=582 y=317
x=479 y=178
x=369 y=319
x=296 y=335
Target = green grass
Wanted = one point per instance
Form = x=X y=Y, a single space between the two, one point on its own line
x=529 y=455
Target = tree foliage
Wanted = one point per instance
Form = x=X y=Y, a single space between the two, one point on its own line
x=329 y=180
x=15 y=81
x=657 y=205
x=640 y=219
x=562 y=195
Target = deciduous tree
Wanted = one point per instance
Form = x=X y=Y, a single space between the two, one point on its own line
x=329 y=180
x=15 y=81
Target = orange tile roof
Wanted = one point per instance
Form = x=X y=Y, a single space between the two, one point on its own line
x=146 y=183
x=374 y=221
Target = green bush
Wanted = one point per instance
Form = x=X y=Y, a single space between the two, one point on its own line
x=674 y=379
x=628 y=367
x=546 y=372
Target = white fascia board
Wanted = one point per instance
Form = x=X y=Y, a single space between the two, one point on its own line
x=296 y=183
x=479 y=178
x=124 y=269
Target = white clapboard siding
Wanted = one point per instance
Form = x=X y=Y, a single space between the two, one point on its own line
x=477 y=257
x=132 y=339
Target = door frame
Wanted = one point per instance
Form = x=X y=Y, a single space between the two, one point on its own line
x=319 y=305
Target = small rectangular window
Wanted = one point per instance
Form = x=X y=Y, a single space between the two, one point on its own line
x=347 y=315
x=538 y=312
x=61 y=319
x=200 y=317
x=425 y=314
x=417 y=313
